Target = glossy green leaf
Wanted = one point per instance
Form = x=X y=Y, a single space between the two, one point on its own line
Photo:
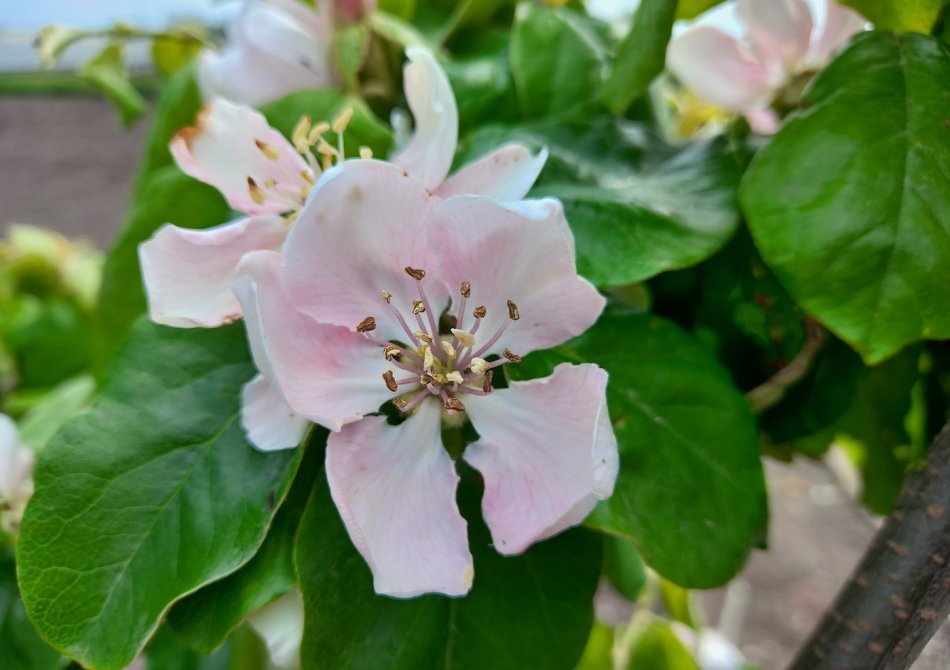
x=108 y=73
x=350 y=47
x=641 y=55
x=57 y=407
x=21 y=647
x=557 y=59
x=899 y=15
x=481 y=80
x=598 y=655
x=530 y=611
x=656 y=647
x=689 y=9
x=691 y=491
x=171 y=53
x=624 y=567
x=147 y=497
x=852 y=210
x=207 y=617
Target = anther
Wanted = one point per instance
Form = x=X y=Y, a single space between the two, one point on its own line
x=513 y=313
x=466 y=289
x=465 y=338
x=366 y=325
x=415 y=273
x=426 y=378
x=514 y=358
x=299 y=136
x=418 y=307
x=324 y=149
x=308 y=176
x=422 y=336
x=455 y=376
x=486 y=382
x=267 y=150
x=400 y=403
x=257 y=195
x=317 y=131
x=391 y=352
x=479 y=312
x=366 y=153
x=390 y=380
x=428 y=359
x=342 y=121
x=454 y=404
x=387 y=296
x=448 y=349
x=478 y=365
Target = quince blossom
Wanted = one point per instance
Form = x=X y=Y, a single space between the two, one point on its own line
x=16 y=476
x=280 y=625
x=782 y=40
x=188 y=273
x=386 y=292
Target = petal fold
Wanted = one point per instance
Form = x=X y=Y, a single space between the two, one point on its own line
x=188 y=273
x=779 y=30
x=429 y=154
x=395 y=489
x=547 y=452
x=836 y=26
x=507 y=173
x=328 y=374
x=268 y=420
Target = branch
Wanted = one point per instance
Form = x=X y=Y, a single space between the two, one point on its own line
x=771 y=391
x=899 y=594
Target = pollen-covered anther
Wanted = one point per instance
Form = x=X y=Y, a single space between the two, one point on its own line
x=416 y=273
x=267 y=150
x=418 y=307
x=400 y=403
x=454 y=404
x=513 y=312
x=324 y=149
x=387 y=296
x=299 y=135
x=448 y=349
x=343 y=120
x=514 y=358
x=466 y=289
x=391 y=352
x=426 y=378
x=455 y=376
x=257 y=194
x=423 y=337
x=486 y=382
x=308 y=176
x=478 y=365
x=316 y=132
x=480 y=312
x=366 y=153
x=366 y=325
x=428 y=360
x=465 y=338
x=390 y=380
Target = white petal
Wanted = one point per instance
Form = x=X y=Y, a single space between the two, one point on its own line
x=431 y=150
x=16 y=464
x=507 y=173
x=547 y=452
x=719 y=69
x=395 y=489
x=269 y=421
x=779 y=30
x=280 y=624
x=836 y=26
x=188 y=273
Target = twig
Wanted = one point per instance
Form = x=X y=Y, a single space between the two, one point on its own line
x=773 y=389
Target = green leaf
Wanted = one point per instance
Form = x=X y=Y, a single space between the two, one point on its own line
x=171 y=53
x=691 y=491
x=624 y=567
x=901 y=15
x=599 y=652
x=207 y=617
x=350 y=47
x=21 y=647
x=107 y=72
x=852 y=211
x=641 y=55
x=397 y=30
x=530 y=611
x=57 y=407
x=557 y=60
x=148 y=496
x=689 y=9
x=481 y=79
x=656 y=647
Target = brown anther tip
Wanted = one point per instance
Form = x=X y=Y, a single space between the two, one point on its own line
x=366 y=325
x=426 y=378
x=479 y=312
x=390 y=380
x=466 y=289
x=454 y=404
x=514 y=358
x=387 y=296
x=415 y=273
x=486 y=382
x=400 y=403
x=391 y=352
x=513 y=312
x=418 y=307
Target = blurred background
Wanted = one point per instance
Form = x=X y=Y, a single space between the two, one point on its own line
x=68 y=166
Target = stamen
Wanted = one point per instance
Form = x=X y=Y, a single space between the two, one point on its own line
x=308 y=176
x=400 y=404
x=405 y=366
x=257 y=195
x=415 y=273
x=366 y=153
x=426 y=379
x=513 y=312
x=466 y=289
x=418 y=307
x=269 y=183
x=479 y=366
x=464 y=337
x=299 y=136
x=324 y=149
x=455 y=376
x=391 y=351
x=387 y=296
x=472 y=391
x=366 y=325
x=454 y=405
x=267 y=150
x=479 y=312
x=314 y=135
x=448 y=349
x=390 y=380
x=422 y=395
x=486 y=382
x=514 y=358
x=422 y=336
x=428 y=359
x=402 y=322
x=488 y=345
x=342 y=121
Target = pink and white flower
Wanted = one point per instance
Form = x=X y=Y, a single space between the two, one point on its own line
x=280 y=625
x=780 y=40
x=385 y=291
x=16 y=475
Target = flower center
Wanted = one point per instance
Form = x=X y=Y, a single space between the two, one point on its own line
x=445 y=365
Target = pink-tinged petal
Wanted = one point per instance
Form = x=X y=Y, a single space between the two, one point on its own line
x=395 y=489
x=547 y=452
x=835 y=28
x=718 y=68
x=267 y=419
x=16 y=465
x=188 y=273
x=779 y=30
x=763 y=120
x=274 y=48
x=523 y=252
x=234 y=149
x=328 y=374
x=507 y=173
x=280 y=625
x=432 y=148
x=364 y=224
